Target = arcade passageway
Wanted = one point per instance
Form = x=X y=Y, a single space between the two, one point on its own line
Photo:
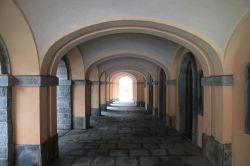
x=127 y=138
x=181 y=69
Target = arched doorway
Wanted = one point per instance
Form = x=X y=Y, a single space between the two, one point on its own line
x=162 y=95
x=188 y=100
x=150 y=94
x=6 y=140
x=125 y=89
x=64 y=103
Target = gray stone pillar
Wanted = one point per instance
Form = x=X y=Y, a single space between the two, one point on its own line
x=64 y=105
x=6 y=144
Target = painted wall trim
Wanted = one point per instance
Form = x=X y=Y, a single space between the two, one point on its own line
x=222 y=80
x=171 y=82
x=95 y=82
x=139 y=83
x=81 y=82
x=65 y=82
x=36 y=81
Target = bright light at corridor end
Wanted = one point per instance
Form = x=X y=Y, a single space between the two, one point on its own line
x=125 y=89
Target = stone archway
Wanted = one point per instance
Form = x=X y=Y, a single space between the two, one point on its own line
x=64 y=103
x=188 y=97
x=6 y=140
x=162 y=95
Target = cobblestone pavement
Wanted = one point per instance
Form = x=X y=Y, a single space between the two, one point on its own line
x=127 y=138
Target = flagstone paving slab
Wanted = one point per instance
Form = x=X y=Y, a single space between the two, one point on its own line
x=127 y=138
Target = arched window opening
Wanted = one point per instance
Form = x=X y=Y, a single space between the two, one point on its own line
x=125 y=89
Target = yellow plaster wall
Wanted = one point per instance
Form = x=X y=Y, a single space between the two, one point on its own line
x=76 y=64
x=18 y=39
x=236 y=62
x=27 y=116
x=78 y=100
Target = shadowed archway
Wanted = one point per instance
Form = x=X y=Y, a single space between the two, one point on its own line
x=188 y=97
x=162 y=95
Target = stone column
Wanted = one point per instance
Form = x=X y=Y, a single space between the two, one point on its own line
x=6 y=139
x=140 y=94
x=172 y=106
x=34 y=143
x=64 y=105
x=116 y=91
x=107 y=93
x=111 y=88
x=80 y=115
x=95 y=109
x=217 y=141
x=103 y=95
x=155 y=99
x=150 y=99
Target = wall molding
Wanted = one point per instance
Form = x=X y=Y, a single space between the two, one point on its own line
x=81 y=82
x=139 y=83
x=96 y=82
x=65 y=82
x=36 y=81
x=171 y=82
x=155 y=82
x=222 y=80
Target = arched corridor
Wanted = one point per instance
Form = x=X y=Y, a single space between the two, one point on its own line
x=115 y=82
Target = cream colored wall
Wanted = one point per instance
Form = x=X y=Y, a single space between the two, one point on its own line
x=140 y=92
x=76 y=64
x=77 y=72
x=93 y=75
x=28 y=117
x=107 y=88
x=237 y=58
x=103 y=89
x=19 y=40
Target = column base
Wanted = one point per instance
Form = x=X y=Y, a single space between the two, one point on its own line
x=149 y=109
x=95 y=112
x=39 y=155
x=103 y=107
x=81 y=123
x=140 y=104
x=217 y=153
x=171 y=121
x=155 y=112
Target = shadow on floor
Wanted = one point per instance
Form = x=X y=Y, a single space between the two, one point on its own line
x=127 y=138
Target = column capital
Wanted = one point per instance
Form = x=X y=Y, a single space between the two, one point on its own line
x=220 y=80
x=81 y=82
x=7 y=80
x=171 y=82
x=36 y=81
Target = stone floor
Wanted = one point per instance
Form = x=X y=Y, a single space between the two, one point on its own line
x=127 y=138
